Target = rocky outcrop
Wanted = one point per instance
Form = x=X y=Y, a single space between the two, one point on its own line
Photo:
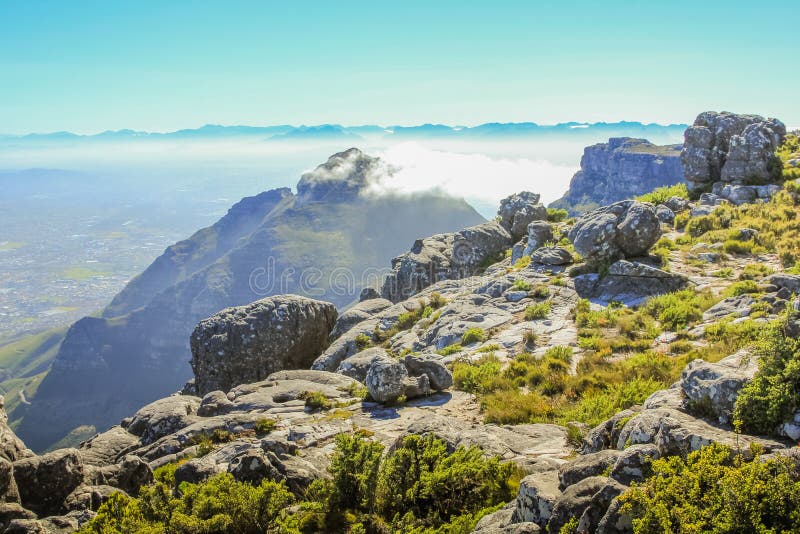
x=138 y=351
x=342 y=178
x=630 y=283
x=732 y=149
x=620 y=169
x=245 y=344
x=621 y=230
x=44 y=482
x=357 y=313
x=517 y=211
x=444 y=257
x=711 y=389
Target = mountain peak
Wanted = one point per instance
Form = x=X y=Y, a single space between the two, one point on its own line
x=342 y=177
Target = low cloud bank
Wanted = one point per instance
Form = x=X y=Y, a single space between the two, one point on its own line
x=479 y=178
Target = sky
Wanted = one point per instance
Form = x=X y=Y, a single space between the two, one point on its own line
x=160 y=65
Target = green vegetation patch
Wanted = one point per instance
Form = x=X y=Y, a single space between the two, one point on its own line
x=713 y=490
x=773 y=396
x=662 y=194
x=419 y=487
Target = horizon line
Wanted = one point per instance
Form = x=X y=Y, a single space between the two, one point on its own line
x=387 y=128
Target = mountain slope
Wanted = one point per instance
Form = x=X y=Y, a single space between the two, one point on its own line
x=324 y=243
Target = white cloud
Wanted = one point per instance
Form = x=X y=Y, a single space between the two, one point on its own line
x=481 y=179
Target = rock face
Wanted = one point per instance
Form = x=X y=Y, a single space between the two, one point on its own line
x=628 y=282
x=712 y=388
x=138 y=351
x=518 y=211
x=444 y=257
x=625 y=229
x=45 y=481
x=247 y=343
x=733 y=149
x=619 y=169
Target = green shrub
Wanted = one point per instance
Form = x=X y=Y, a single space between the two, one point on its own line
x=662 y=194
x=316 y=400
x=712 y=491
x=512 y=407
x=725 y=272
x=679 y=309
x=422 y=479
x=541 y=292
x=363 y=341
x=220 y=504
x=523 y=262
x=742 y=287
x=557 y=214
x=450 y=349
x=265 y=426
x=482 y=376
x=732 y=246
x=561 y=353
x=537 y=311
x=754 y=271
x=773 y=395
x=598 y=406
x=521 y=285
x=473 y=335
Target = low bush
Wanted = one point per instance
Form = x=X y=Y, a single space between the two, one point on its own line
x=521 y=285
x=473 y=335
x=537 y=311
x=755 y=271
x=557 y=214
x=265 y=426
x=773 y=395
x=742 y=287
x=714 y=491
x=662 y=194
x=679 y=309
x=316 y=400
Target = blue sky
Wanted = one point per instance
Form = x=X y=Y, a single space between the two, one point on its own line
x=89 y=66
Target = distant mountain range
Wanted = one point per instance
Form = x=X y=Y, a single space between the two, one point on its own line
x=370 y=131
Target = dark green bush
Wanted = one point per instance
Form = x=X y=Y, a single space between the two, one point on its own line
x=219 y=505
x=473 y=335
x=713 y=491
x=773 y=396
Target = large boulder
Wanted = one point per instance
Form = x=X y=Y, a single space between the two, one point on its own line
x=386 y=379
x=358 y=365
x=576 y=499
x=247 y=343
x=711 y=389
x=676 y=432
x=517 y=211
x=625 y=229
x=439 y=376
x=536 y=497
x=628 y=282
x=585 y=466
x=163 y=417
x=11 y=447
x=451 y=256
x=45 y=481
x=731 y=148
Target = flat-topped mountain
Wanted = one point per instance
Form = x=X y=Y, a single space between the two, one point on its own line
x=621 y=168
x=323 y=242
